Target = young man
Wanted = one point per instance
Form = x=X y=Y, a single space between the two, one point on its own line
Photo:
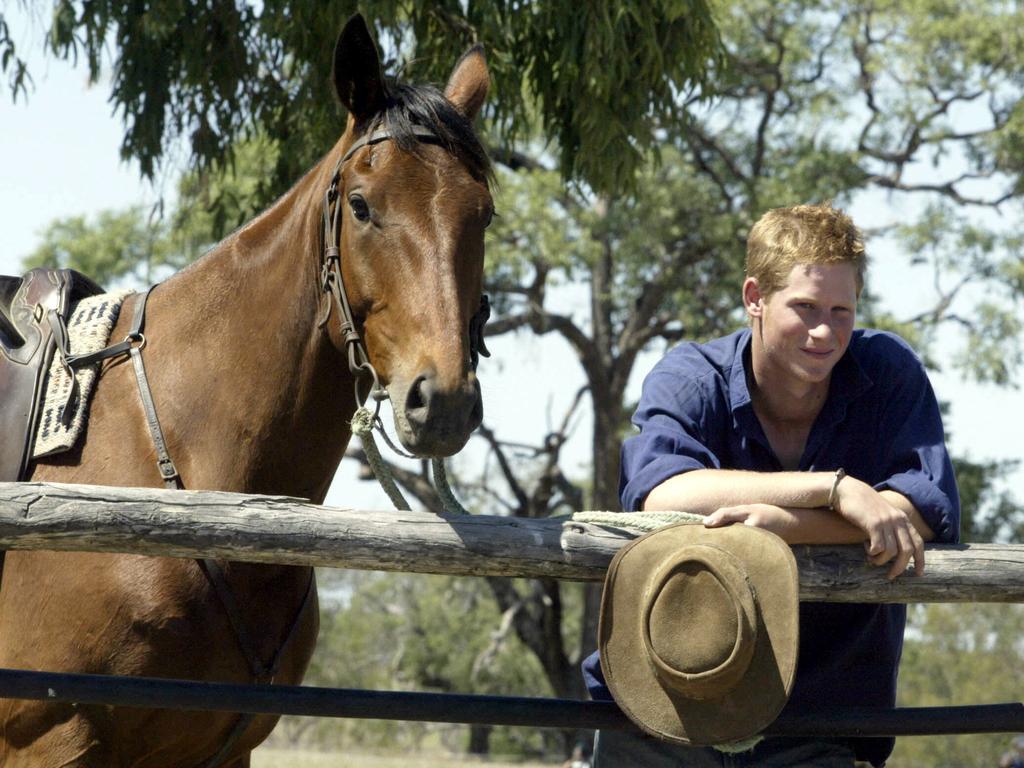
x=813 y=430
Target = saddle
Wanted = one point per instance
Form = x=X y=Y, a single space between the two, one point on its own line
x=34 y=310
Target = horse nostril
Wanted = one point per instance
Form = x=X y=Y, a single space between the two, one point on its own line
x=419 y=394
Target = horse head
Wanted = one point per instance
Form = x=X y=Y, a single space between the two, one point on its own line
x=412 y=203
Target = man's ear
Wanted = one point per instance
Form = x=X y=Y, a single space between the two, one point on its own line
x=753 y=300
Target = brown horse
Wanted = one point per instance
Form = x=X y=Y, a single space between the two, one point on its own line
x=248 y=367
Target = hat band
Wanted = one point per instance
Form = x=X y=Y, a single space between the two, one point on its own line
x=714 y=682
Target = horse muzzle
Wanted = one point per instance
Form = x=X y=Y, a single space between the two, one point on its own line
x=433 y=421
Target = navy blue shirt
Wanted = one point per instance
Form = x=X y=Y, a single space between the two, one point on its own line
x=880 y=422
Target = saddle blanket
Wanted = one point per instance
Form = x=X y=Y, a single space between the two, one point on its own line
x=88 y=331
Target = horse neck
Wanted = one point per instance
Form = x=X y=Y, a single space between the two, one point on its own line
x=245 y=321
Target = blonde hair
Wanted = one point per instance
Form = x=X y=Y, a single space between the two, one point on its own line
x=802 y=234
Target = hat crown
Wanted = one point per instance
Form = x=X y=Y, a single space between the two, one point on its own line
x=699 y=621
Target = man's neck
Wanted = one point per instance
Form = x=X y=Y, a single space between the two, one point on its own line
x=782 y=398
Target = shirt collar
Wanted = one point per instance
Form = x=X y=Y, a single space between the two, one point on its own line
x=848 y=382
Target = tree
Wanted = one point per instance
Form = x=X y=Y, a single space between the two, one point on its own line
x=140 y=245
x=837 y=101
x=818 y=103
x=955 y=655
x=597 y=82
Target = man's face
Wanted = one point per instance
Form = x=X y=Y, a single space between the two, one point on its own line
x=806 y=326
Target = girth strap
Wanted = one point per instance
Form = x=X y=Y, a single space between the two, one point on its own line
x=263 y=673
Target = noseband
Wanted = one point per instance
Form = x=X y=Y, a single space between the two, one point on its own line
x=332 y=282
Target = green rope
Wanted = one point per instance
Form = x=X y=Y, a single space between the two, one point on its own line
x=638 y=521
x=444 y=491
x=362 y=425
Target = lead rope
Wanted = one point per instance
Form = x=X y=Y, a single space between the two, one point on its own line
x=363 y=423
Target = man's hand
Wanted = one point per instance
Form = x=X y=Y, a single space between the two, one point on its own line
x=768 y=516
x=891 y=535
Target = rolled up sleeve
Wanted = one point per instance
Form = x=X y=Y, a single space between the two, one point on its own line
x=670 y=416
x=918 y=465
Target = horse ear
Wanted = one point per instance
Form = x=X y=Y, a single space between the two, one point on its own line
x=358 y=79
x=468 y=84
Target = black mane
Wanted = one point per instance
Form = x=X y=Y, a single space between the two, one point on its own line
x=424 y=105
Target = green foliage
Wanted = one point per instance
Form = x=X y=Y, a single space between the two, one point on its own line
x=116 y=245
x=989 y=512
x=959 y=654
x=11 y=64
x=214 y=201
x=599 y=78
x=139 y=245
x=416 y=632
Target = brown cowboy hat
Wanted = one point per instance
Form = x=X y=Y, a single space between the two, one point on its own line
x=699 y=630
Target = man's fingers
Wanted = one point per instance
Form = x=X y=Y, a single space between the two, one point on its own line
x=906 y=552
x=881 y=545
x=918 y=551
x=715 y=519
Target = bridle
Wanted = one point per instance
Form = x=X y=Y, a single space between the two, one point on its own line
x=332 y=282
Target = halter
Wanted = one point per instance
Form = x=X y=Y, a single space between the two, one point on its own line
x=332 y=281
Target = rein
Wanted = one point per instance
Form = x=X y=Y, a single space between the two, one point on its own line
x=332 y=282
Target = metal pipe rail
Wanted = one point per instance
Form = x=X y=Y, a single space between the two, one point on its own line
x=473 y=709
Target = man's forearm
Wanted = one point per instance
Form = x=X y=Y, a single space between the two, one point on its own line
x=793 y=525
x=702 y=491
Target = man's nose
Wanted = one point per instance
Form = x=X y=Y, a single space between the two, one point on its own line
x=822 y=330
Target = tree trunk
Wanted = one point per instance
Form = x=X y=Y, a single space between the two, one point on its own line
x=606 y=448
x=479 y=740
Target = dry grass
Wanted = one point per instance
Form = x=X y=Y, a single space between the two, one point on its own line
x=267 y=757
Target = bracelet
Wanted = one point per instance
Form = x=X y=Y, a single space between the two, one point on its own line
x=840 y=474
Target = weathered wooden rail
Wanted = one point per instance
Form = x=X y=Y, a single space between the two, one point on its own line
x=292 y=531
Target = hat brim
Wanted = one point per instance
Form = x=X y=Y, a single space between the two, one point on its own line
x=759 y=697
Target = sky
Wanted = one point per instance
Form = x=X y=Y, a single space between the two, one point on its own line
x=59 y=157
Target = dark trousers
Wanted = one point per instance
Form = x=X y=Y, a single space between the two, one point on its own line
x=623 y=749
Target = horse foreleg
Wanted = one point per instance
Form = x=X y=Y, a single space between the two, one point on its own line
x=66 y=740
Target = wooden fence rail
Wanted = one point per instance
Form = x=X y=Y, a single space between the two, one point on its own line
x=291 y=531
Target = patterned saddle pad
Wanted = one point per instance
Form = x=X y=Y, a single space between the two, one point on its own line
x=89 y=331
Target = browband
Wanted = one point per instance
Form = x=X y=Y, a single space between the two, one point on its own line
x=383 y=134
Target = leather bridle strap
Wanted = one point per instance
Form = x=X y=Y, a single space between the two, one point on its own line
x=383 y=134
x=331 y=280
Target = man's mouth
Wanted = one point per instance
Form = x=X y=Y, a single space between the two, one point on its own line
x=818 y=353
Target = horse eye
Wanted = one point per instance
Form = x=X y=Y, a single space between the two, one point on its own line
x=359 y=207
x=490 y=217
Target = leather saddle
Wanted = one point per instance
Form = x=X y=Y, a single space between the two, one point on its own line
x=34 y=310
